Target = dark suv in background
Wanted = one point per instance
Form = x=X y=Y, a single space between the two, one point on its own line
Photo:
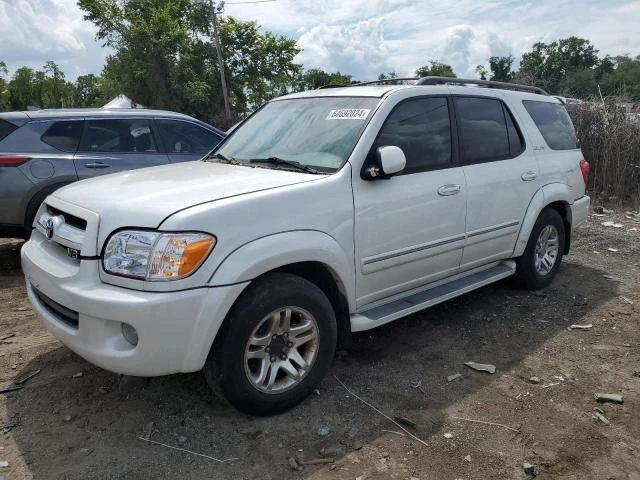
x=41 y=151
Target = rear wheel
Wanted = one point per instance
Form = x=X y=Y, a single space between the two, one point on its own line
x=541 y=259
x=276 y=345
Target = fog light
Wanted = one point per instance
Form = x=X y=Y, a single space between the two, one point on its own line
x=130 y=334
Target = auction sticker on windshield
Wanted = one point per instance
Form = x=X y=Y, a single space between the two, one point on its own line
x=348 y=114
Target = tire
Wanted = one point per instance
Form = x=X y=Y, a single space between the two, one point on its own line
x=531 y=273
x=256 y=327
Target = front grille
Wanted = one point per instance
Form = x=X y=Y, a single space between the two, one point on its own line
x=69 y=219
x=62 y=313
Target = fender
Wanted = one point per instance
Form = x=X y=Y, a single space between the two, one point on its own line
x=552 y=192
x=271 y=252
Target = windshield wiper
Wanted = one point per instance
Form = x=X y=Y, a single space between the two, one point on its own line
x=217 y=156
x=288 y=163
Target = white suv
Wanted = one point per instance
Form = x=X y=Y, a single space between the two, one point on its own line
x=325 y=213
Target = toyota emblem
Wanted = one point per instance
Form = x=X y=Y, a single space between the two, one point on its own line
x=48 y=228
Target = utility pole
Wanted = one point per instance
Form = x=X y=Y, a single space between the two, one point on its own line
x=215 y=10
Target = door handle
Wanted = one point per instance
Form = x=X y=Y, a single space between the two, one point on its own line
x=98 y=165
x=529 y=176
x=450 y=189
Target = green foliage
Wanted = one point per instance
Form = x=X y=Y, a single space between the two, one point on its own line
x=482 y=72
x=316 y=78
x=547 y=64
x=501 y=68
x=435 y=69
x=624 y=79
x=4 y=92
x=164 y=57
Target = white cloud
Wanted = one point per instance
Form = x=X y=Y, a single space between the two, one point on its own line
x=358 y=37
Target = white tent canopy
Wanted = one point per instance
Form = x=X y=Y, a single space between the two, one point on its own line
x=122 y=101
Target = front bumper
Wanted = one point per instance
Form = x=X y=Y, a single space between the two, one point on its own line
x=175 y=329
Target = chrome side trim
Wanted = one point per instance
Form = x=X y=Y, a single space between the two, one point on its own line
x=406 y=251
x=425 y=246
x=482 y=231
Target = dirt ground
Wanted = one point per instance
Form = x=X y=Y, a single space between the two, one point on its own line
x=66 y=425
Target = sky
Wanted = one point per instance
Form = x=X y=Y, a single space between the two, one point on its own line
x=361 y=38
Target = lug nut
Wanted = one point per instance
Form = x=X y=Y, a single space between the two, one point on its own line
x=283 y=356
x=273 y=358
x=289 y=344
x=268 y=349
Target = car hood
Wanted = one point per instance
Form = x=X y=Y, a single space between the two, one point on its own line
x=145 y=197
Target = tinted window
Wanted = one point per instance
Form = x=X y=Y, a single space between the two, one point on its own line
x=554 y=124
x=421 y=128
x=123 y=136
x=64 y=136
x=483 y=129
x=515 y=138
x=185 y=137
x=6 y=128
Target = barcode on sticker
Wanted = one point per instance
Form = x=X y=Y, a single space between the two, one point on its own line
x=348 y=114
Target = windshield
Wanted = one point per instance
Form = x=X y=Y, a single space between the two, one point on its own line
x=314 y=132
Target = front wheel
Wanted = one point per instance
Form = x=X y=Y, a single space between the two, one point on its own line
x=276 y=345
x=541 y=259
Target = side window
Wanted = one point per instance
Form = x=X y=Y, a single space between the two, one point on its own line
x=484 y=130
x=422 y=129
x=516 y=145
x=121 y=136
x=6 y=128
x=64 y=135
x=186 y=137
x=554 y=124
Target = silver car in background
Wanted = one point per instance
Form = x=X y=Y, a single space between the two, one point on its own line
x=41 y=151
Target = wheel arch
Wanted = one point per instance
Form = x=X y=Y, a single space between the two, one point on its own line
x=555 y=196
x=312 y=255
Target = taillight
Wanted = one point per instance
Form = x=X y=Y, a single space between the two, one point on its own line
x=13 y=160
x=585 y=168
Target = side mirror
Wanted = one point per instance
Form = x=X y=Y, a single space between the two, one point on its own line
x=391 y=159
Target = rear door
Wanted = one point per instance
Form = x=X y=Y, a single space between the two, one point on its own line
x=184 y=140
x=116 y=144
x=501 y=175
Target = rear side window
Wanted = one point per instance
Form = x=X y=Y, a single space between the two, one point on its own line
x=422 y=129
x=119 y=135
x=64 y=135
x=554 y=124
x=186 y=137
x=6 y=129
x=487 y=130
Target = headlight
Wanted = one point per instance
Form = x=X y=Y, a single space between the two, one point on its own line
x=156 y=256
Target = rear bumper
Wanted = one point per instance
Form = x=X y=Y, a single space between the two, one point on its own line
x=175 y=329
x=579 y=211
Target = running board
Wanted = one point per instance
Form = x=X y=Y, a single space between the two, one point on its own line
x=415 y=302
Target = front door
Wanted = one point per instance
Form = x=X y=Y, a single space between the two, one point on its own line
x=113 y=145
x=409 y=229
x=501 y=176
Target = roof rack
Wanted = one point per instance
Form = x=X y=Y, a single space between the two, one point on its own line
x=448 y=80
x=483 y=83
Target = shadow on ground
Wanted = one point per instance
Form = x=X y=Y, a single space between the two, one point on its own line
x=495 y=324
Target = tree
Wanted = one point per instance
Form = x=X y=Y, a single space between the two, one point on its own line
x=501 y=68
x=547 y=64
x=315 y=78
x=4 y=92
x=624 y=79
x=164 y=56
x=481 y=71
x=435 y=69
x=21 y=89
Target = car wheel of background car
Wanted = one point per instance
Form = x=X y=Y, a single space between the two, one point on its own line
x=541 y=259
x=275 y=346
x=34 y=204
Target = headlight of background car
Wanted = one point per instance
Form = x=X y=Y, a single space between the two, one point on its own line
x=156 y=256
